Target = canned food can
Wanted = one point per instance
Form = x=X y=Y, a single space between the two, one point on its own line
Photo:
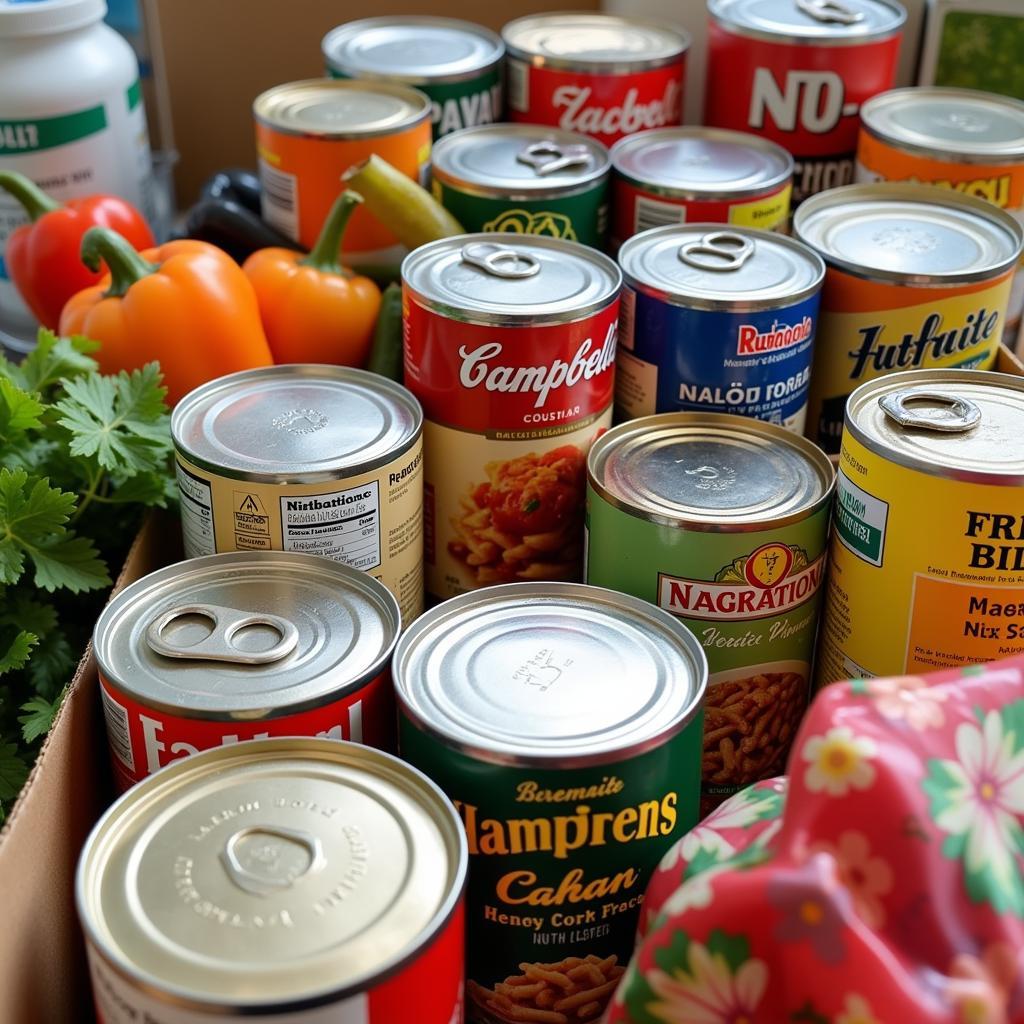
x=916 y=277
x=571 y=784
x=243 y=646
x=797 y=72
x=524 y=179
x=457 y=64
x=322 y=460
x=510 y=347
x=300 y=881
x=679 y=175
x=722 y=522
x=927 y=550
x=717 y=319
x=598 y=74
x=309 y=133
x=971 y=142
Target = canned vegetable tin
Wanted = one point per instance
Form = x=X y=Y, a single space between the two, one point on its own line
x=309 y=133
x=456 y=63
x=510 y=346
x=969 y=141
x=677 y=175
x=597 y=74
x=723 y=522
x=244 y=646
x=325 y=460
x=797 y=72
x=917 y=277
x=928 y=539
x=721 y=320
x=526 y=179
x=293 y=880
x=564 y=722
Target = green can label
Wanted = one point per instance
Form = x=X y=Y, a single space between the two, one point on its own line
x=559 y=863
x=582 y=217
x=752 y=600
x=463 y=104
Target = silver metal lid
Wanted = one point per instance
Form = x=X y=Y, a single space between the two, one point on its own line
x=296 y=423
x=910 y=234
x=335 y=109
x=246 y=635
x=961 y=124
x=717 y=266
x=590 y=41
x=511 y=278
x=549 y=673
x=829 y=22
x=518 y=161
x=701 y=163
x=710 y=471
x=412 y=49
x=966 y=424
x=271 y=872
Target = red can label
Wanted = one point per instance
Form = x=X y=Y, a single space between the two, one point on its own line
x=143 y=739
x=510 y=415
x=605 y=107
x=806 y=98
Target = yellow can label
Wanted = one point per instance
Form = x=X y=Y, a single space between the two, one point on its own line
x=926 y=572
x=867 y=329
x=371 y=521
x=768 y=213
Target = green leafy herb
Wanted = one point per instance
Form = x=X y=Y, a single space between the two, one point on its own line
x=82 y=456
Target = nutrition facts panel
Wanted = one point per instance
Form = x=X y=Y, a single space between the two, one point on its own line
x=344 y=525
x=196 y=514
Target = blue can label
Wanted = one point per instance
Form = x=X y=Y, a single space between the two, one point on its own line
x=757 y=364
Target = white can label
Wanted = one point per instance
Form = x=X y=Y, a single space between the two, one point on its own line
x=339 y=524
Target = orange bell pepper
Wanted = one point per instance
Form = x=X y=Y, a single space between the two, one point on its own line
x=315 y=310
x=186 y=304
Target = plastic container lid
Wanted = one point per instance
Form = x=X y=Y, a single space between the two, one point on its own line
x=25 y=18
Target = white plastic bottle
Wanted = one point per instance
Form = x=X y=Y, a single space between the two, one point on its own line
x=71 y=119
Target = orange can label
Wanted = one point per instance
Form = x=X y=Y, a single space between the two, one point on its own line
x=301 y=177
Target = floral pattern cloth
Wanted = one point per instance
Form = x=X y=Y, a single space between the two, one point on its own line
x=881 y=882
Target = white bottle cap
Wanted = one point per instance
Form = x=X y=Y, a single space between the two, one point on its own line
x=24 y=18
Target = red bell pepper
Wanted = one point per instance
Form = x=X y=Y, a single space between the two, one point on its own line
x=43 y=257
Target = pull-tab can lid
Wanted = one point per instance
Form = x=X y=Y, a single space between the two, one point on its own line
x=828 y=22
x=270 y=633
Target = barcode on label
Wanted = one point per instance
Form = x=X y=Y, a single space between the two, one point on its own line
x=518 y=85
x=280 y=202
x=653 y=213
x=117 y=730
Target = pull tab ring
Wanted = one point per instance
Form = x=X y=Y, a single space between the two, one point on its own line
x=726 y=249
x=830 y=11
x=218 y=645
x=500 y=261
x=548 y=156
x=953 y=415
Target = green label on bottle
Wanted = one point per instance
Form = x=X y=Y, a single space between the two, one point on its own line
x=31 y=136
x=134 y=94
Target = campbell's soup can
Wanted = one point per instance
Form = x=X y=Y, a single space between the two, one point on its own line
x=510 y=347
x=916 y=277
x=927 y=557
x=564 y=721
x=598 y=74
x=309 y=133
x=294 y=880
x=316 y=459
x=797 y=72
x=525 y=179
x=457 y=64
x=717 y=319
x=242 y=646
x=723 y=523
x=682 y=175
x=971 y=142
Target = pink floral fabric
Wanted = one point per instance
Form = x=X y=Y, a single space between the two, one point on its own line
x=881 y=882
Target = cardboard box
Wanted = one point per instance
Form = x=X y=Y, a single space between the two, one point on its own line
x=43 y=974
x=214 y=57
